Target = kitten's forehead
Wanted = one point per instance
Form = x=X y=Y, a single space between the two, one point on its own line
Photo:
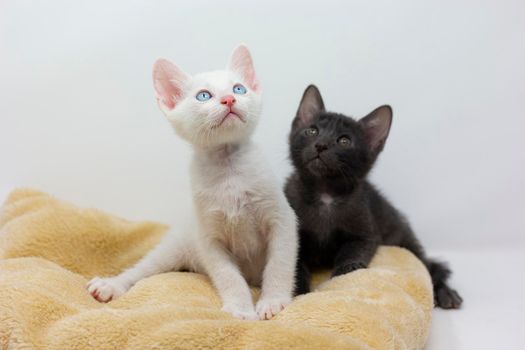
x=336 y=122
x=219 y=79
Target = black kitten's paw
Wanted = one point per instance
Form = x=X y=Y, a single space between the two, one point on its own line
x=446 y=297
x=302 y=279
x=348 y=267
x=302 y=288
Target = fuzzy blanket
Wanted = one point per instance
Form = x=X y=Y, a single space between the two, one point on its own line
x=49 y=249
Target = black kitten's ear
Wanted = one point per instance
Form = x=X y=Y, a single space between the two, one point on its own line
x=377 y=125
x=310 y=107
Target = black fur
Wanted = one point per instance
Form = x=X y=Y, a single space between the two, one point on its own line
x=342 y=217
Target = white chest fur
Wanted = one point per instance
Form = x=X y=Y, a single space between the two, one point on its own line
x=223 y=182
x=229 y=190
x=326 y=199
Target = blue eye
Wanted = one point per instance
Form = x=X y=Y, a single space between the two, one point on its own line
x=239 y=89
x=203 y=95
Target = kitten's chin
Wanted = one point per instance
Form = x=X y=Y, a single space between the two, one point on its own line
x=231 y=119
x=231 y=132
x=318 y=168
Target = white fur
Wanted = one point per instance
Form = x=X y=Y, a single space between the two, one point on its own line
x=326 y=199
x=243 y=231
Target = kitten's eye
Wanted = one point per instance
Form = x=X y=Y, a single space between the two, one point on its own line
x=311 y=131
x=344 y=141
x=203 y=95
x=239 y=89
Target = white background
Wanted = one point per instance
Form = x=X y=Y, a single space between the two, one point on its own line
x=78 y=116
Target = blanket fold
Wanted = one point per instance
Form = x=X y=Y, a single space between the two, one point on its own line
x=49 y=249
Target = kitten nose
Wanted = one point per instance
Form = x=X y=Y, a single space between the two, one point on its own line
x=320 y=147
x=228 y=100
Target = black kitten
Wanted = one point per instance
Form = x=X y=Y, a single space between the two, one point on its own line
x=342 y=217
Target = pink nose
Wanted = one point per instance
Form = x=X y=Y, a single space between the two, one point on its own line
x=228 y=100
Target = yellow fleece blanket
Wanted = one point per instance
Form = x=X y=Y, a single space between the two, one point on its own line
x=49 y=249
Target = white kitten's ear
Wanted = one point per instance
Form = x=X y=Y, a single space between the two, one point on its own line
x=377 y=126
x=311 y=105
x=169 y=81
x=241 y=62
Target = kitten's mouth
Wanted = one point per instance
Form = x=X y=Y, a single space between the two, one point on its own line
x=317 y=165
x=317 y=159
x=231 y=114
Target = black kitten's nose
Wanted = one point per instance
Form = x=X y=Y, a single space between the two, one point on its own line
x=320 y=147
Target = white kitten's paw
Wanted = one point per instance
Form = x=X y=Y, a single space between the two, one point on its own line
x=268 y=307
x=106 y=289
x=241 y=313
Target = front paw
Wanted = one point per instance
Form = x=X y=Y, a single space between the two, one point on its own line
x=348 y=267
x=268 y=307
x=106 y=289
x=301 y=288
x=242 y=313
x=446 y=297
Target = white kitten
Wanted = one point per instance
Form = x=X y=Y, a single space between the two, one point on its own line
x=243 y=230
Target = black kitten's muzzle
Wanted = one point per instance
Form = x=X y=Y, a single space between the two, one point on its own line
x=318 y=166
x=320 y=147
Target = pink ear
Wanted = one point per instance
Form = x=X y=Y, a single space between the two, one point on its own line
x=241 y=62
x=168 y=80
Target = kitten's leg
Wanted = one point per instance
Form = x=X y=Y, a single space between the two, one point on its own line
x=227 y=278
x=444 y=296
x=279 y=272
x=170 y=254
x=302 y=278
x=354 y=254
